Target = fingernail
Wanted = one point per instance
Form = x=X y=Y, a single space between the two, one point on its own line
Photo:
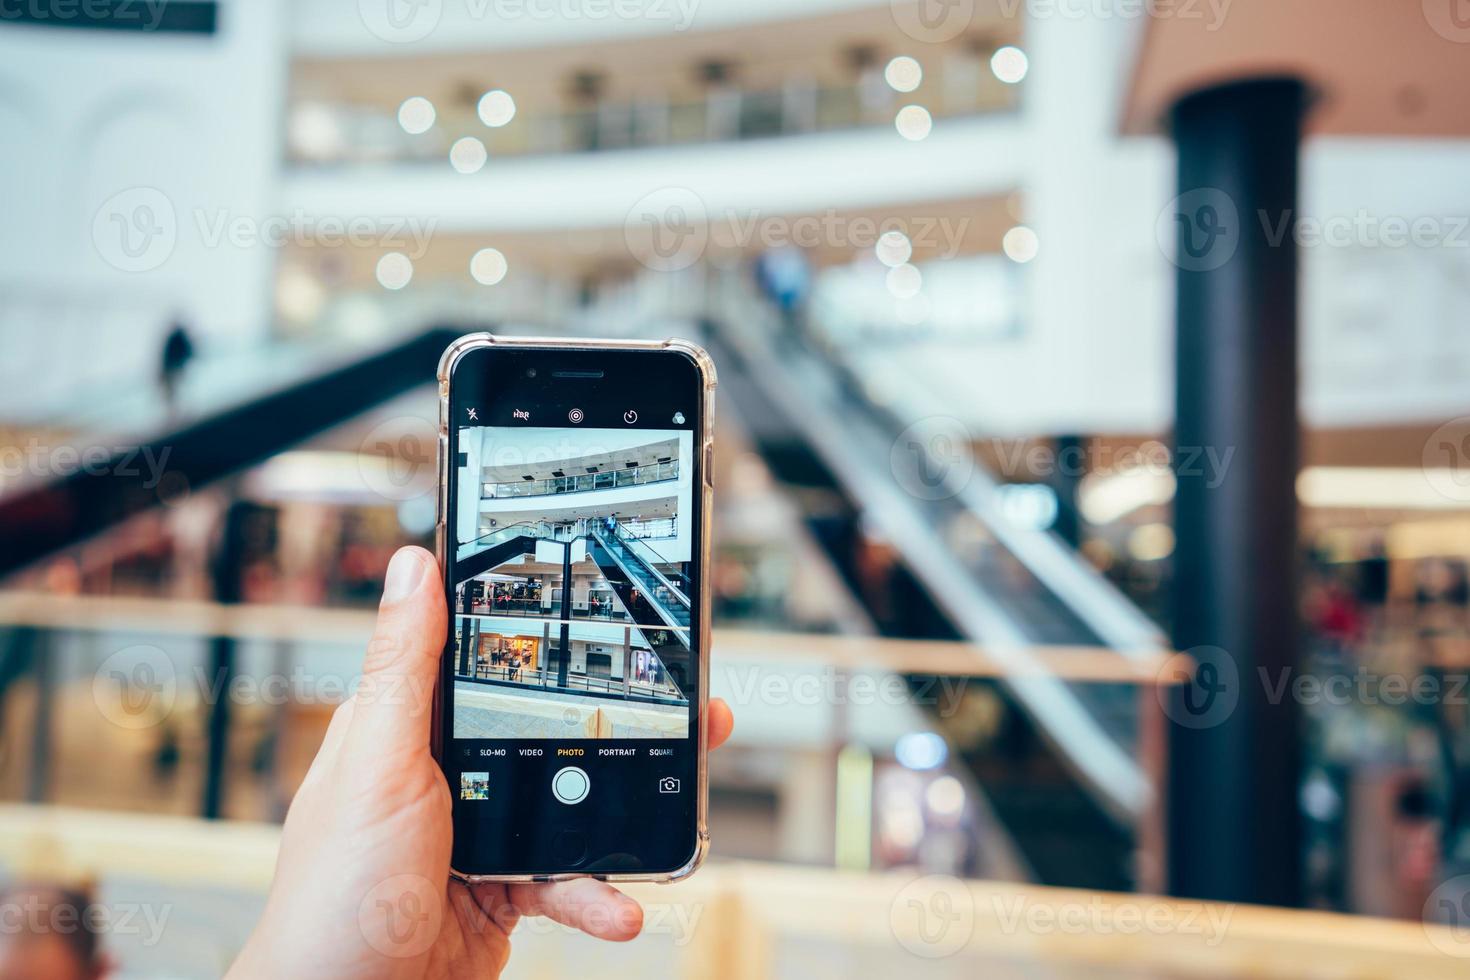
x=404 y=572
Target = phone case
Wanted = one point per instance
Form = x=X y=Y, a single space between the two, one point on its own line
x=706 y=368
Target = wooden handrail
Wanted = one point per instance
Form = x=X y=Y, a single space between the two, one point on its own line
x=740 y=921
x=191 y=617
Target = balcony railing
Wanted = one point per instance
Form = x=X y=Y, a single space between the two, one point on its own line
x=581 y=483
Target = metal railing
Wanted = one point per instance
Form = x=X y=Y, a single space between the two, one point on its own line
x=631 y=476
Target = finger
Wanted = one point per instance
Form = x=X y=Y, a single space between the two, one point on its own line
x=595 y=907
x=336 y=734
x=720 y=721
x=397 y=689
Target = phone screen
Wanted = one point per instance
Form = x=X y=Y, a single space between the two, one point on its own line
x=572 y=675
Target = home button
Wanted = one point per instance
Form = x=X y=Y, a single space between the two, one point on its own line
x=570 y=785
x=569 y=848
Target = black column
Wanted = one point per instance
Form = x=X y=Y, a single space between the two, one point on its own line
x=566 y=616
x=1234 y=830
x=227 y=573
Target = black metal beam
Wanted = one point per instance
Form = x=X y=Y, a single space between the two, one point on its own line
x=1234 y=829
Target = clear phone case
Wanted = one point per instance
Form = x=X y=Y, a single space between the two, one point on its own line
x=706 y=368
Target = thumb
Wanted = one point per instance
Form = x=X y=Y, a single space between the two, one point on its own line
x=396 y=695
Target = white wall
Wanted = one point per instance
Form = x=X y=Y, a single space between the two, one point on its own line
x=159 y=132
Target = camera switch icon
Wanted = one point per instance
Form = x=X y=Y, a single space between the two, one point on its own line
x=668 y=784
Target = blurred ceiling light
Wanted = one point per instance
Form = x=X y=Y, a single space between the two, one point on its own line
x=1020 y=244
x=488 y=266
x=1151 y=542
x=416 y=115
x=299 y=296
x=1380 y=488
x=914 y=310
x=893 y=248
x=467 y=155
x=1105 y=498
x=1009 y=64
x=416 y=515
x=903 y=74
x=913 y=122
x=904 y=281
x=395 y=270
x=1032 y=506
x=497 y=108
x=945 y=796
x=920 y=750
x=314 y=132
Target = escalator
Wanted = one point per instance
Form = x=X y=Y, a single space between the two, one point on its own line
x=649 y=597
x=1063 y=775
x=233 y=413
x=619 y=555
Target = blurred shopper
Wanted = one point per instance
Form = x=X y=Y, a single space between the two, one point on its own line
x=362 y=886
x=49 y=933
x=178 y=351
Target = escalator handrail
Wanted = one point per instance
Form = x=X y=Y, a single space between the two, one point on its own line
x=670 y=621
x=42 y=519
x=622 y=538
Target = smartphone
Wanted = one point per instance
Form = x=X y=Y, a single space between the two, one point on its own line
x=573 y=532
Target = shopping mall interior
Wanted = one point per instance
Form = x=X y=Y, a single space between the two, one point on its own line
x=1091 y=562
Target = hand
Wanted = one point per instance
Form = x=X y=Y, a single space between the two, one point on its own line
x=362 y=887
